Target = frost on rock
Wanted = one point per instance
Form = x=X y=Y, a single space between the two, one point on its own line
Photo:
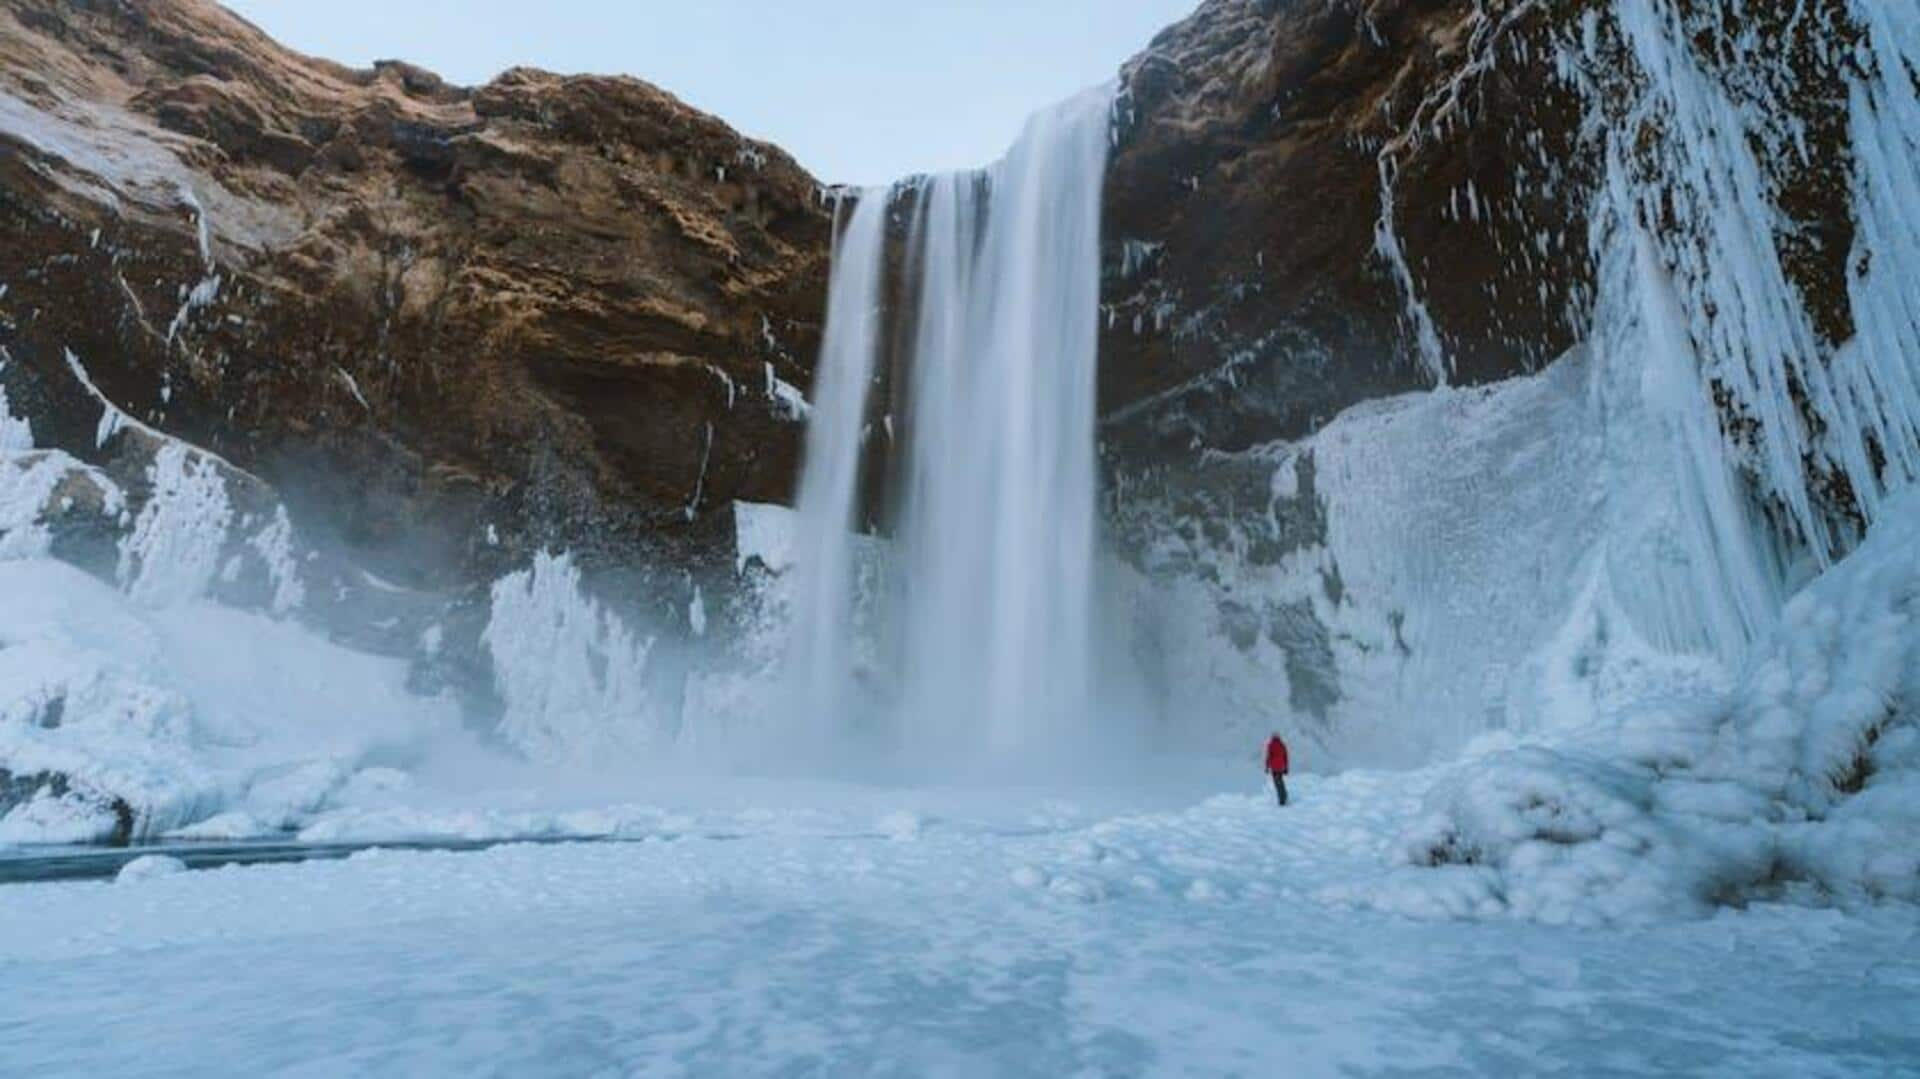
x=275 y=545
x=572 y=674
x=182 y=523
x=788 y=402
x=38 y=489
x=112 y=157
x=1433 y=353
x=16 y=432
x=174 y=551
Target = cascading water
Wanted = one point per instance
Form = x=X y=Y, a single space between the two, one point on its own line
x=820 y=655
x=999 y=513
x=990 y=631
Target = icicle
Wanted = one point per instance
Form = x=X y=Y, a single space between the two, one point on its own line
x=1386 y=244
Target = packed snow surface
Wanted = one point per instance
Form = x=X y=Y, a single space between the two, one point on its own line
x=760 y=928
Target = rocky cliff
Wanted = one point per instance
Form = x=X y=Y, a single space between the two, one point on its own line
x=1314 y=202
x=1651 y=248
x=1318 y=202
x=450 y=326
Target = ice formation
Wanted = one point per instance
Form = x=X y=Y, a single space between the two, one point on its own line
x=174 y=550
x=573 y=675
x=1746 y=323
x=1621 y=587
x=1802 y=782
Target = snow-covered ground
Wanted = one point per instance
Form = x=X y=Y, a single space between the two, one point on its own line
x=819 y=929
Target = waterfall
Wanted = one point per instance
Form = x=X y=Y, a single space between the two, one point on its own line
x=998 y=511
x=989 y=631
x=820 y=655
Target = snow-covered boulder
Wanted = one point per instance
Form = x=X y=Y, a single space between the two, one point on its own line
x=148 y=867
x=1802 y=783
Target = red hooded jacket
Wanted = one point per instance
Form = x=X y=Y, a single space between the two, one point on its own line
x=1276 y=755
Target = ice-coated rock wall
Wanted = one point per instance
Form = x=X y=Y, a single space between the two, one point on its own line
x=1738 y=407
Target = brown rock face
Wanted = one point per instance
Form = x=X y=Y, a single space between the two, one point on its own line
x=448 y=325
x=1317 y=202
x=1273 y=155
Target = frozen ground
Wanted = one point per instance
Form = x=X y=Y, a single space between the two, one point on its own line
x=788 y=929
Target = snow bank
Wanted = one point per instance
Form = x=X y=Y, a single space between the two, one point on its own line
x=149 y=867
x=1804 y=781
x=118 y=720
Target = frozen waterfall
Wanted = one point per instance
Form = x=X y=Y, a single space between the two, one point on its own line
x=986 y=640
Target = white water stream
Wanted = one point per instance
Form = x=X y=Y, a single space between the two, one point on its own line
x=988 y=638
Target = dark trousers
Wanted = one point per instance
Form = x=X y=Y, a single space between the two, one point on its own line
x=1280 y=786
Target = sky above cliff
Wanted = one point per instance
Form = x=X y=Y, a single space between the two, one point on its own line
x=860 y=91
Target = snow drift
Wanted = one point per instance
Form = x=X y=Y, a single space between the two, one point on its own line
x=123 y=721
x=1803 y=782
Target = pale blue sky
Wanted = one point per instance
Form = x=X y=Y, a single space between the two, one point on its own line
x=861 y=91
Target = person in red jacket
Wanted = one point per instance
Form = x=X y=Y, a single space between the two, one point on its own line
x=1277 y=766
